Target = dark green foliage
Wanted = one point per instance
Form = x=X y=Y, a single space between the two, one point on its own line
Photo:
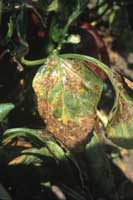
x=5 y=109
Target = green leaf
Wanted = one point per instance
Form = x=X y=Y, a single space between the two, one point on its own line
x=56 y=150
x=4 y=194
x=5 y=109
x=72 y=92
x=103 y=7
x=37 y=137
x=99 y=167
x=56 y=31
x=53 y=6
x=32 y=134
x=21 y=28
x=35 y=156
x=9 y=33
x=43 y=149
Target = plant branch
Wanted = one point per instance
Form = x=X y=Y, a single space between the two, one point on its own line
x=1 y=10
x=71 y=19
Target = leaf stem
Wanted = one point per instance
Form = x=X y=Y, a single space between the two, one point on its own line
x=72 y=17
x=1 y=10
x=32 y=62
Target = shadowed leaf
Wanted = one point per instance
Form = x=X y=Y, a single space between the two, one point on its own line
x=5 y=109
x=99 y=166
x=120 y=130
x=4 y=194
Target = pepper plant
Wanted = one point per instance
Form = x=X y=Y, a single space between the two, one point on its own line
x=62 y=89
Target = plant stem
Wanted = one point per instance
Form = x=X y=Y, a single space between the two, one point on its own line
x=32 y=62
x=72 y=17
x=1 y=8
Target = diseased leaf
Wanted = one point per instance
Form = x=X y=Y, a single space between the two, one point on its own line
x=67 y=94
x=125 y=163
x=120 y=130
x=103 y=68
x=5 y=109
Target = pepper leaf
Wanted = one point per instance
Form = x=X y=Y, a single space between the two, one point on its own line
x=67 y=93
x=120 y=130
x=5 y=109
x=99 y=166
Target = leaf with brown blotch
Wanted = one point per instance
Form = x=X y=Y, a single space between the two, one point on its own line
x=67 y=93
x=120 y=130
